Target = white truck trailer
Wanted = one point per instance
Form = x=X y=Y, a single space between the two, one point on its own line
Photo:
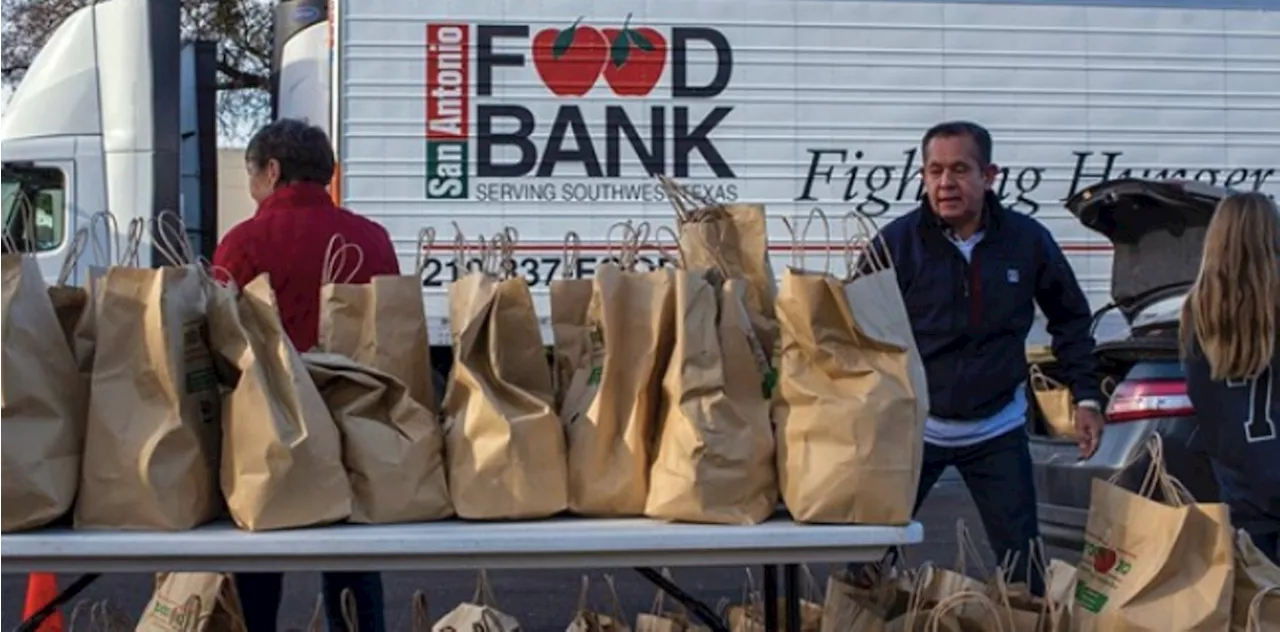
x=551 y=117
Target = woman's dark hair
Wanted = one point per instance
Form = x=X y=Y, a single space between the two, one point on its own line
x=303 y=151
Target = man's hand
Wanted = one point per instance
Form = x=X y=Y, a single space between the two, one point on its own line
x=1089 y=424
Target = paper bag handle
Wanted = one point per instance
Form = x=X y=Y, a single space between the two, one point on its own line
x=176 y=250
x=613 y=249
x=965 y=547
x=317 y=616
x=915 y=600
x=349 y=610
x=78 y=244
x=798 y=257
x=954 y=600
x=420 y=617
x=868 y=238
x=483 y=595
x=1042 y=382
x=571 y=255
x=133 y=242
x=638 y=239
x=426 y=243
x=104 y=239
x=1253 y=623
x=614 y=600
x=679 y=259
x=1157 y=476
x=335 y=261
x=25 y=211
x=501 y=254
x=685 y=202
x=582 y=594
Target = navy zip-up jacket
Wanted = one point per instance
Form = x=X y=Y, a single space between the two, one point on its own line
x=971 y=319
x=1238 y=428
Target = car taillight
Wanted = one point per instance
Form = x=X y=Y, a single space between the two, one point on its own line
x=1135 y=400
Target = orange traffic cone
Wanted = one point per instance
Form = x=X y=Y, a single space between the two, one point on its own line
x=42 y=589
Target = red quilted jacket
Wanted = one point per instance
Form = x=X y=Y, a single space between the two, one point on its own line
x=287 y=238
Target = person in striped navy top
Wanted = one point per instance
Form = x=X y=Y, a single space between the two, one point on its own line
x=1229 y=349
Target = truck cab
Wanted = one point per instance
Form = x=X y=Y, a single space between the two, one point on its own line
x=97 y=125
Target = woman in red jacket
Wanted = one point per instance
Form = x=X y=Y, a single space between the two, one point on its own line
x=290 y=163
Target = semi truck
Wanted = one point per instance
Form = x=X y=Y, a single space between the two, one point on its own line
x=555 y=118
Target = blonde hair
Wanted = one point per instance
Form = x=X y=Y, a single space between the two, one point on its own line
x=1231 y=309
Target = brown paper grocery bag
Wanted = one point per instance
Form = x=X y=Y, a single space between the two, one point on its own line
x=281 y=451
x=715 y=451
x=942 y=582
x=348 y=609
x=1255 y=603
x=41 y=403
x=1055 y=404
x=1022 y=611
x=152 y=436
x=587 y=620
x=98 y=616
x=380 y=324
x=193 y=602
x=392 y=446
x=481 y=614
x=945 y=615
x=848 y=606
x=570 y=298
x=659 y=619
x=852 y=397
x=611 y=406
x=748 y=615
x=735 y=236
x=503 y=441
x=1152 y=565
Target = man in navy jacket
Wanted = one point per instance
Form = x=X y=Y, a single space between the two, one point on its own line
x=971 y=274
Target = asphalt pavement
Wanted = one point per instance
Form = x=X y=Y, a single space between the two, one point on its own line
x=540 y=600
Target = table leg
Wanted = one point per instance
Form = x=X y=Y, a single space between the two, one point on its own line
x=791 y=587
x=696 y=608
x=76 y=587
x=770 y=598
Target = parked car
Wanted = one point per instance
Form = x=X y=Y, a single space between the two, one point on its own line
x=1157 y=228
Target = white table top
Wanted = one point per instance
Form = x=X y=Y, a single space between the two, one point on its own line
x=451 y=545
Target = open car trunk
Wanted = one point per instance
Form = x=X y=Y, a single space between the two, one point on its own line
x=1157 y=229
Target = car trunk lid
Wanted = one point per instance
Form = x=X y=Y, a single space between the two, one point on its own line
x=1157 y=229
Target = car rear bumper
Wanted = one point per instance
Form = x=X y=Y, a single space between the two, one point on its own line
x=1064 y=482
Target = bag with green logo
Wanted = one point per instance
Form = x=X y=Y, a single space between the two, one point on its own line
x=715 y=451
x=153 y=437
x=1152 y=565
x=611 y=406
x=852 y=398
x=193 y=602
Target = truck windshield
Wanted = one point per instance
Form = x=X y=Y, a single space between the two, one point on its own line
x=34 y=201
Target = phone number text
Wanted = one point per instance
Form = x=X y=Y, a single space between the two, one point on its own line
x=438 y=271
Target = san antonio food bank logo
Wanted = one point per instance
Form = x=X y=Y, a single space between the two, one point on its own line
x=467 y=62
